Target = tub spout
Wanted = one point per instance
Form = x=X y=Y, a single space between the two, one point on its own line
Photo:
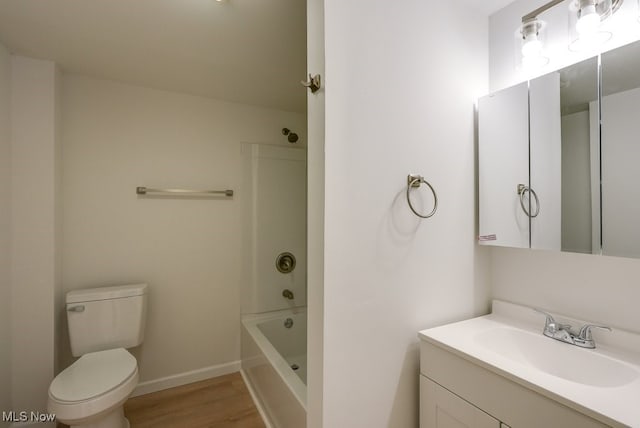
x=287 y=294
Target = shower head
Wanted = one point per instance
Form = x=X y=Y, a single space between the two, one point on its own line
x=292 y=137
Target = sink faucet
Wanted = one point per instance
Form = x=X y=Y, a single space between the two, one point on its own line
x=563 y=332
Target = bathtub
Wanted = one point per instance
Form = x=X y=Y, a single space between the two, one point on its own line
x=274 y=365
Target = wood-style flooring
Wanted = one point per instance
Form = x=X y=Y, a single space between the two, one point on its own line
x=221 y=402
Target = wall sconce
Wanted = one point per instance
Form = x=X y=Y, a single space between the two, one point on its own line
x=532 y=40
x=585 y=17
x=531 y=37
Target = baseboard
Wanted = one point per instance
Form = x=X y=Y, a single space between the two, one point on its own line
x=254 y=397
x=185 y=378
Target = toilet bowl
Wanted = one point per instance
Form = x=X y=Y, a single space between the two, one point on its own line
x=103 y=323
x=91 y=392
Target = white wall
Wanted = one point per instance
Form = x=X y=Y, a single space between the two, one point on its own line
x=35 y=222
x=5 y=232
x=605 y=285
x=401 y=81
x=117 y=137
x=596 y=288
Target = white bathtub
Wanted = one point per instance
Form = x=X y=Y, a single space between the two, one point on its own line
x=269 y=350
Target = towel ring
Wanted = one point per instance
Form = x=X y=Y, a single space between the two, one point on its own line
x=415 y=181
x=521 y=191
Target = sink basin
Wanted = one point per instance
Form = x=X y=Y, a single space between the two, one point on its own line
x=602 y=383
x=556 y=358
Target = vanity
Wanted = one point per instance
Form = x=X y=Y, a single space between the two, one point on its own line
x=500 y=371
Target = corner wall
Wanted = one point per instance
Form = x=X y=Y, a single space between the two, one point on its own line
x=401 y=81
x=5 y=232
x=35 y=230
x=315 y=216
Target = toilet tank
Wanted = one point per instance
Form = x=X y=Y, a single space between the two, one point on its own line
x=106 y=317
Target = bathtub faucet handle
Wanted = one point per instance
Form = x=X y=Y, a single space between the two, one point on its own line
x=287 y=294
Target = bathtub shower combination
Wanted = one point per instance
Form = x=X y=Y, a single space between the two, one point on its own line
x=274 y=364
x=274 y=316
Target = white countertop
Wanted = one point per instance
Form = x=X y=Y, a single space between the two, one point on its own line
x=615 y=400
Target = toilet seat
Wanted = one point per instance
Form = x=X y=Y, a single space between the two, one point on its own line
x=94 y=384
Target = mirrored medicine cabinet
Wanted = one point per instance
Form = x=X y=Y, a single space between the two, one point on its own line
x=559 y=159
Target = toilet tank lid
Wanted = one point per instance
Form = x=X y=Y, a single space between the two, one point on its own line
x=106 y=293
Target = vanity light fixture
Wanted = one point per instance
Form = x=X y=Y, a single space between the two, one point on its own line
x=588 y=18
x=585 y=17
x=531 y=35
x=532 y=44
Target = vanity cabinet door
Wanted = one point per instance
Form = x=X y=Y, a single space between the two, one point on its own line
x=439 y=408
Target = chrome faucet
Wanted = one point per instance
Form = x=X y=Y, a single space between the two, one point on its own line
x=563 y=332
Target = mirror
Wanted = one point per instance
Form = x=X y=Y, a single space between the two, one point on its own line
x=621 y=151
x=559 y=158
x=545 y=167
x=564 y=137
x=503 y=164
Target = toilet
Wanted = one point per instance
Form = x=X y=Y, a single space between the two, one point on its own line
x=103 y=322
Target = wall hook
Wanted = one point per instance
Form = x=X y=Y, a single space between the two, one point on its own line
x=314 y=83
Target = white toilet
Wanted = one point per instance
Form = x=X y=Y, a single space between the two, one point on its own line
x=91 y=392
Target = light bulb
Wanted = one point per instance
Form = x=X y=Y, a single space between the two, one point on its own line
x=589 y=20
x=532 y=47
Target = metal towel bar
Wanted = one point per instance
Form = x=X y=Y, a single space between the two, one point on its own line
x=185 y=192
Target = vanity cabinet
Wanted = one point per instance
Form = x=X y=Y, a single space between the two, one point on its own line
x=441 y=408
x=457 y=393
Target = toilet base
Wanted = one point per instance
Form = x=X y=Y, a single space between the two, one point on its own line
x=114 y=419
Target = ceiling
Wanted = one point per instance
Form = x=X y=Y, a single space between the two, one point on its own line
x=245 y=51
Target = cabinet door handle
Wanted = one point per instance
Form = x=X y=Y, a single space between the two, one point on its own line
x=78 y=308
